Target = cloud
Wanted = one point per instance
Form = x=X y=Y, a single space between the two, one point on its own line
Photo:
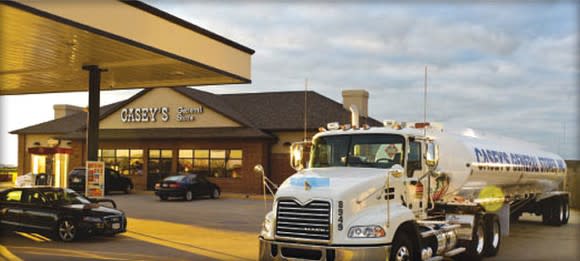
x=510 y=69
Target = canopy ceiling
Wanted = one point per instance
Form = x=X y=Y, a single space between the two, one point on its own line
x=45 y=44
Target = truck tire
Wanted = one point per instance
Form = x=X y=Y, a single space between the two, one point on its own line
x=566 y=208
x=403 y=248
x=553 y=213
x=492 y=235
x=547 y=210
x=474 y=248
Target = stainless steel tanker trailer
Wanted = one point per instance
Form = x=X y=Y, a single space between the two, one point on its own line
x=409 y=192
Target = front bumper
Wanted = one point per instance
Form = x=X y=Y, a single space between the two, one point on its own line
x=107 y=227
x=275 y=250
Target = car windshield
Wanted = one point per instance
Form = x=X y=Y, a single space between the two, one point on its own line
x=367 y=151
x=174 y=178
x=65 y=197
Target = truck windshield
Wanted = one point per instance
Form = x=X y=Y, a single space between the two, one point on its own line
x=359 y=150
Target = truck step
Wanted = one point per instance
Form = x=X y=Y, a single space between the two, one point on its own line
x=454 y=252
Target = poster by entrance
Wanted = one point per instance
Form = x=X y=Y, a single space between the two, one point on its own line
x=95 y=179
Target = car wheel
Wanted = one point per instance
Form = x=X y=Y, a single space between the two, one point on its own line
x=128 y=189
x=215 y=193
x=163 y=198
x=67 y=230
x=189 y=195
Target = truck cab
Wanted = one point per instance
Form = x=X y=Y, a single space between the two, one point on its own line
x=359 y=191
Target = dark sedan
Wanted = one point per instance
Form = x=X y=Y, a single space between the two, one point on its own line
x=114 y=181
x=62 y=213
x=186 y=186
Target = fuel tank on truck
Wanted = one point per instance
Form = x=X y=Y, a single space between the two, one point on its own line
x=469 y=162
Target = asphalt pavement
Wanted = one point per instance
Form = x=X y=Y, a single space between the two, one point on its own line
x=227 y=229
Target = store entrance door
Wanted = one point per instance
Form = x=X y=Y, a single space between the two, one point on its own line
x=159 y=164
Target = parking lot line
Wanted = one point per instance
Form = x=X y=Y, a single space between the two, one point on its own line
x=214 y=243
x=41 y=237
x=32 y=237
x=5 y=254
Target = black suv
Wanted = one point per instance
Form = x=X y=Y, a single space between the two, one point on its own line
x=61 y=212
x=113 y=181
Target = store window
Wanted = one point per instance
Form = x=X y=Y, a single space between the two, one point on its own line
x=160 y=161
x=125 y=161
x=158 y=166
x=218 y=163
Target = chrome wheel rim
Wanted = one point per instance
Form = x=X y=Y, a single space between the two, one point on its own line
x=216 y=193
x=480 y=240
x=188 y=195
x=495 y=241
x=402 y=254
x=66 y=231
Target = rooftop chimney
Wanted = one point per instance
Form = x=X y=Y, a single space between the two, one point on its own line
x=63 y=110
x=358 y=98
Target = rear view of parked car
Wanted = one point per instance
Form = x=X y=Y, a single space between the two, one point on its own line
x=186 y=186
x=113 y=181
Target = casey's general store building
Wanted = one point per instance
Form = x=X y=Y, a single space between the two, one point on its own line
x=164 y=131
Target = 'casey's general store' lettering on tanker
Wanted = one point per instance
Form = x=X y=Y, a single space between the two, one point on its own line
x=520 y=161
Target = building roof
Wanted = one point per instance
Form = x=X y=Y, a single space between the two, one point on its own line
x=70 y=123
x=285 y=110
x=258 y=113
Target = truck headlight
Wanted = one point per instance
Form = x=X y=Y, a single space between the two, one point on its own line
x=371 y=231
x=92 y=219
x=267 y=231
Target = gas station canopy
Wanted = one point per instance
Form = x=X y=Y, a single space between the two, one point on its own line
x=44 y=46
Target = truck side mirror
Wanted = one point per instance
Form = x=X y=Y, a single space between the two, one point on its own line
x=432 y=155
x=297 y=155
x=396 y=171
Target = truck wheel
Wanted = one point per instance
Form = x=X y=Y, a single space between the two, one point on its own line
x=475 y=247
x=566 y=209
x=403 y=248
x=553 y=211
x=493 y=235
x=127 y=189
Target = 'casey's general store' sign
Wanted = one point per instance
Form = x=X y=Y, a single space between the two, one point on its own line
x=154 y=114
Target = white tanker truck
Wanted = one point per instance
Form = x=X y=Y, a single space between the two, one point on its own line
x=408 y=192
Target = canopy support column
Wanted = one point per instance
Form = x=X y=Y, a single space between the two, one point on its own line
x=94 y=111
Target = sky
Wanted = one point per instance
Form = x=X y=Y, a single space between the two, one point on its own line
x=507 y=68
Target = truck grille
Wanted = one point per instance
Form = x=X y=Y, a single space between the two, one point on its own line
x=310 y=221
